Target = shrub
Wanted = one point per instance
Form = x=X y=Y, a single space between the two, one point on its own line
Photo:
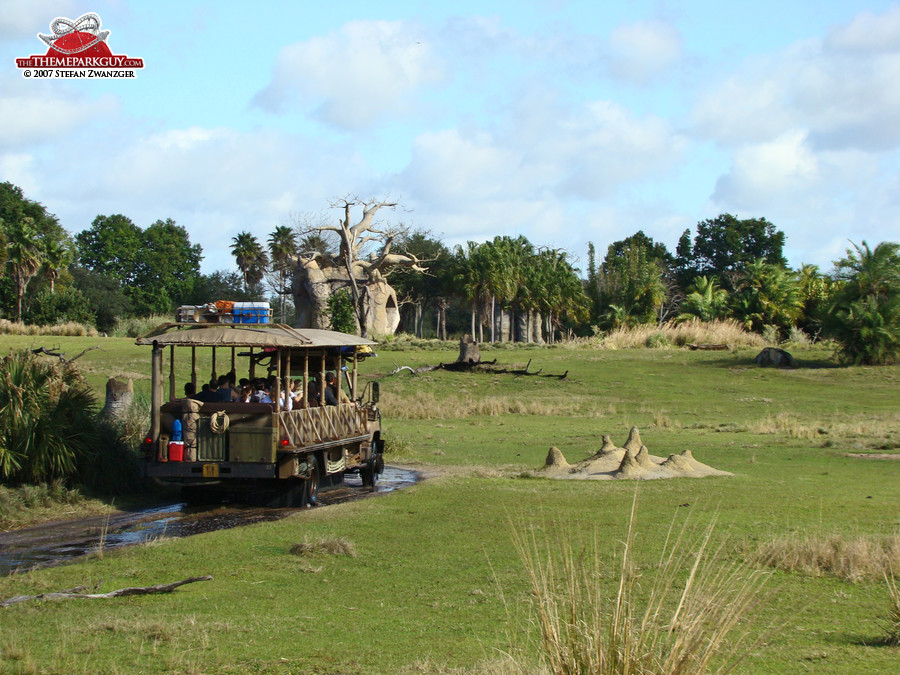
x=136 y=326
x=865 y=316
x=46 y=419
x=771 y=334
x=63 y=306
x=341 y=313
x=657 y=341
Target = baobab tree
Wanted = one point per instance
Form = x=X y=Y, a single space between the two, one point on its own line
x=363 y=260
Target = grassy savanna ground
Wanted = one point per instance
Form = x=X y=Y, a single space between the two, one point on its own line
x=436 y=583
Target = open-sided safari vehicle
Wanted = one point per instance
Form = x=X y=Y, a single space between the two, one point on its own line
x=281 y=452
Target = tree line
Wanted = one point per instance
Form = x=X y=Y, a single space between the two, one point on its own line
x=504 y=289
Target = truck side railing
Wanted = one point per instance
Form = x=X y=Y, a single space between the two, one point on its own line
x=313 y=426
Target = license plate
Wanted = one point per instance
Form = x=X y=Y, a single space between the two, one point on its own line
x=210 y=470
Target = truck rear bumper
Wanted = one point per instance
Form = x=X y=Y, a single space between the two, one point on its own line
x=191 y=471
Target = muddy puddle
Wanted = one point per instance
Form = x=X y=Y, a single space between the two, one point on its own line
x=56 y=543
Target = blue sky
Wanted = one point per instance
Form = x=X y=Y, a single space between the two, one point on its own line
x=567 y=122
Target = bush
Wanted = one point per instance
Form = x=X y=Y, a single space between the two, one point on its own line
x=341 y=314
x=49 y=431
x=657 y=341
x=46 y=419
x=865 y=317
x=136 y=326
x=65 y=305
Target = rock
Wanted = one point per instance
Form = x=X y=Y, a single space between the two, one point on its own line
x=772 y=356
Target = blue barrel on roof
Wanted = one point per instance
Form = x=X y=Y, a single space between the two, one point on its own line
x=252 y=312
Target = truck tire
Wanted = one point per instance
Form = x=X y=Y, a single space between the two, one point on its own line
x=311 y=491
x=368 y=472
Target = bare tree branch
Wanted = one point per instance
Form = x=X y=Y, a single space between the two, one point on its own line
x=120 y=593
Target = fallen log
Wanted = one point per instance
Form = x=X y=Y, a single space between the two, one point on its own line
x=708 y=347
x=54 y=351
x=119 y=593
x=482 y=366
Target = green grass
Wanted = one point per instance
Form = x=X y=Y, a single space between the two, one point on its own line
x=436 y=582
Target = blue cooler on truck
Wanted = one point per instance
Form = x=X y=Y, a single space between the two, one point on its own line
x=251 y=312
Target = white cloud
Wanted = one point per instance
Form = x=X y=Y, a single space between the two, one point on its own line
x=214 y=181
x=769 y=171
x=813 y=136
x=586 y=153
x=868 y=33
x=43 y=114
x=24 y=19
x=844 y=94
x=607 y=146
x=353 y=77
x=644 y=50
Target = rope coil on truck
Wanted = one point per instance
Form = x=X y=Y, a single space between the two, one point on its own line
x=218 y=422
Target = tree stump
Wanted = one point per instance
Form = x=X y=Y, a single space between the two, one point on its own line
x=468 y=350
x=119 y=396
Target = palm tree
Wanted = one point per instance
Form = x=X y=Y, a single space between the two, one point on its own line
x=562 y=292
x=282 y=248
x=767 y=295
x=865 y=316
x=705 y=300
x=469 y=277
x=871 y=271
x=251 y=258
x=58 y=255
x=23 y=257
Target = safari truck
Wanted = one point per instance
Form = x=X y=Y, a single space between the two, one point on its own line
x=281 y=452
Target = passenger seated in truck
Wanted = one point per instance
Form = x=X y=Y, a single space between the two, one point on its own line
x=223 y=392
x=232 y=383
x=330 y=389
x=313 y=392
x=206 y=394
x=287 y=400
x=297 y=393
x=260 y=395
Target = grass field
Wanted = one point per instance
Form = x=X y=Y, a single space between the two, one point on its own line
x=435 y=583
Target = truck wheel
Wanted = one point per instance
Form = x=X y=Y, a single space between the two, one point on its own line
x=369 y=474
x=312 y=483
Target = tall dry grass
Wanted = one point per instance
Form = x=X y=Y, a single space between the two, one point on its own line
x=136 y=326
x=880 y=431
x=69 y=328
x=892 y=625
x=848 y=558
x=686 y=624
x=728 y=332
x=426 y=406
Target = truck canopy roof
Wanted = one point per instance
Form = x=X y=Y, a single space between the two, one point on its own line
x=247 y=335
